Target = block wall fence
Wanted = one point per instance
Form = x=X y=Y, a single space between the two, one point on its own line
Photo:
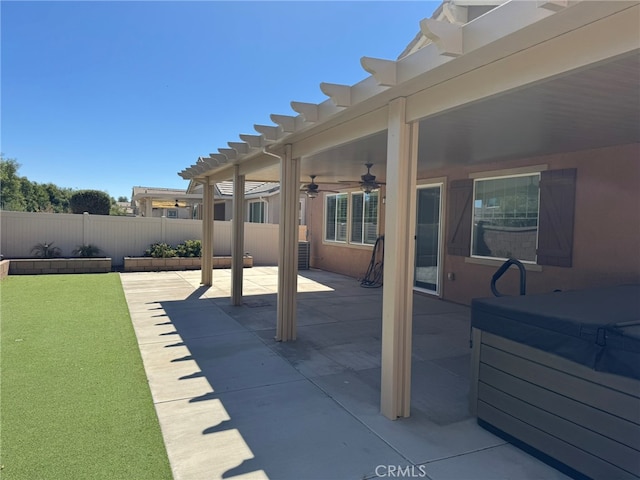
x=120 y=237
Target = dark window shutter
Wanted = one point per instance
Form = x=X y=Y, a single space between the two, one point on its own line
x=459 y=220
x=555 y=222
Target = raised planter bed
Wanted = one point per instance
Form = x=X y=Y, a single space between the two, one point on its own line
x=39 y=266
x=4 y=268
x=150 y=264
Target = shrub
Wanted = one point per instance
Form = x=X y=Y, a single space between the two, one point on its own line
x=160 y=250
x=190 y=248
x=92 y=201
x=45 y=250
x=86 y=251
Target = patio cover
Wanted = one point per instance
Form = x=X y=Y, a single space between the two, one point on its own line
x=530 y=77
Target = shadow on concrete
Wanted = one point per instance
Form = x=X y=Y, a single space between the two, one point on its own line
x=310 y=408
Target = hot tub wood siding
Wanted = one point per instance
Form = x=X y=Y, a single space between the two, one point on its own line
x=588 y=420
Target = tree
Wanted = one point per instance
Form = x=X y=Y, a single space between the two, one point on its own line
x=11 y=195
x=123 y=199
x=92 y=201
x=58 y=198
x=117 y=210
x=35 y=196
x=22 y=195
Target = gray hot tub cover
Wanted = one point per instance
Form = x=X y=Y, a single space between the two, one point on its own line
x=599 y=328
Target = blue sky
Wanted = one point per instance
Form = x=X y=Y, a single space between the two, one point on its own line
x=108 y=95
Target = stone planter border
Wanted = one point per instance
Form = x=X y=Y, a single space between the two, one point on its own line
x=4 y=268
x=39 y=266
x=150 y=264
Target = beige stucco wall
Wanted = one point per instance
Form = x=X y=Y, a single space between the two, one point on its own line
x=352 y=260
x=606 y=229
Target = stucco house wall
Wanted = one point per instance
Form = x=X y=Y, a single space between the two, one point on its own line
x=606 y=229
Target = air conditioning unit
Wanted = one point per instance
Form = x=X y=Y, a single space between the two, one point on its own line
x=304 y=249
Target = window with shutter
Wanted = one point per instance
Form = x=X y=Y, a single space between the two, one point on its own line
x=528 y=217
x=505 y=217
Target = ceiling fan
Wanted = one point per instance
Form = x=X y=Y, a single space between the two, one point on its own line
x=368 y=181
x=312 y=189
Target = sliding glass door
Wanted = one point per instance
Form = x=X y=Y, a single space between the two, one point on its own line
x=427 y=258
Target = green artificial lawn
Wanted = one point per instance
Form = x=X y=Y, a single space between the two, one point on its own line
x=75 y=403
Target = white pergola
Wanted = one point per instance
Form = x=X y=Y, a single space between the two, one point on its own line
x=531 y=77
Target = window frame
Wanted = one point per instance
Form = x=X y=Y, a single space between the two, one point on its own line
x=344 y=195
x=350 y=221
x=265 y=206
x=348 y=195
x=477 y=179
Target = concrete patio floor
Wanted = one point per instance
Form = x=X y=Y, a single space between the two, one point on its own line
x=234 y=403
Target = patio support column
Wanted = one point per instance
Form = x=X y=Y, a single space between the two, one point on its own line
x=207 y=233
x=397 y=294
x=237 y=243
x=288 y=247
x=148 y=207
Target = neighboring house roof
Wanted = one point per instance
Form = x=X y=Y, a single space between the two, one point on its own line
x=223 y=190
x=251 y=189
x=126 y=206
x=161 y=193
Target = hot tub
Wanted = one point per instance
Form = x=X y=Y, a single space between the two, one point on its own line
x=560 y=373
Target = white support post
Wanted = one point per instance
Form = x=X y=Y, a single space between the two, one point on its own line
x=85 y=228
x=237 y=244
x=163 y=229
x=148 y=207
x=288 y=247
x=397 y=295
x=207 y=234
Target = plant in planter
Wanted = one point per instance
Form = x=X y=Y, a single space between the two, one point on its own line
x=87 y=251
x=46 y=250
x=160 y=250
x=190 y=248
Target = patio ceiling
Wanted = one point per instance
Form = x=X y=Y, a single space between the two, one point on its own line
x=594 y=105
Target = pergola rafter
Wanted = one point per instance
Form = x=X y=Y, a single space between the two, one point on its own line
x=340 y=95
x=384 y=71
x=309 y=111
x=286 y=122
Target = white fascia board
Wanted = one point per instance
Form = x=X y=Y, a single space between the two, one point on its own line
x=364 y=125
x=257 y=163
